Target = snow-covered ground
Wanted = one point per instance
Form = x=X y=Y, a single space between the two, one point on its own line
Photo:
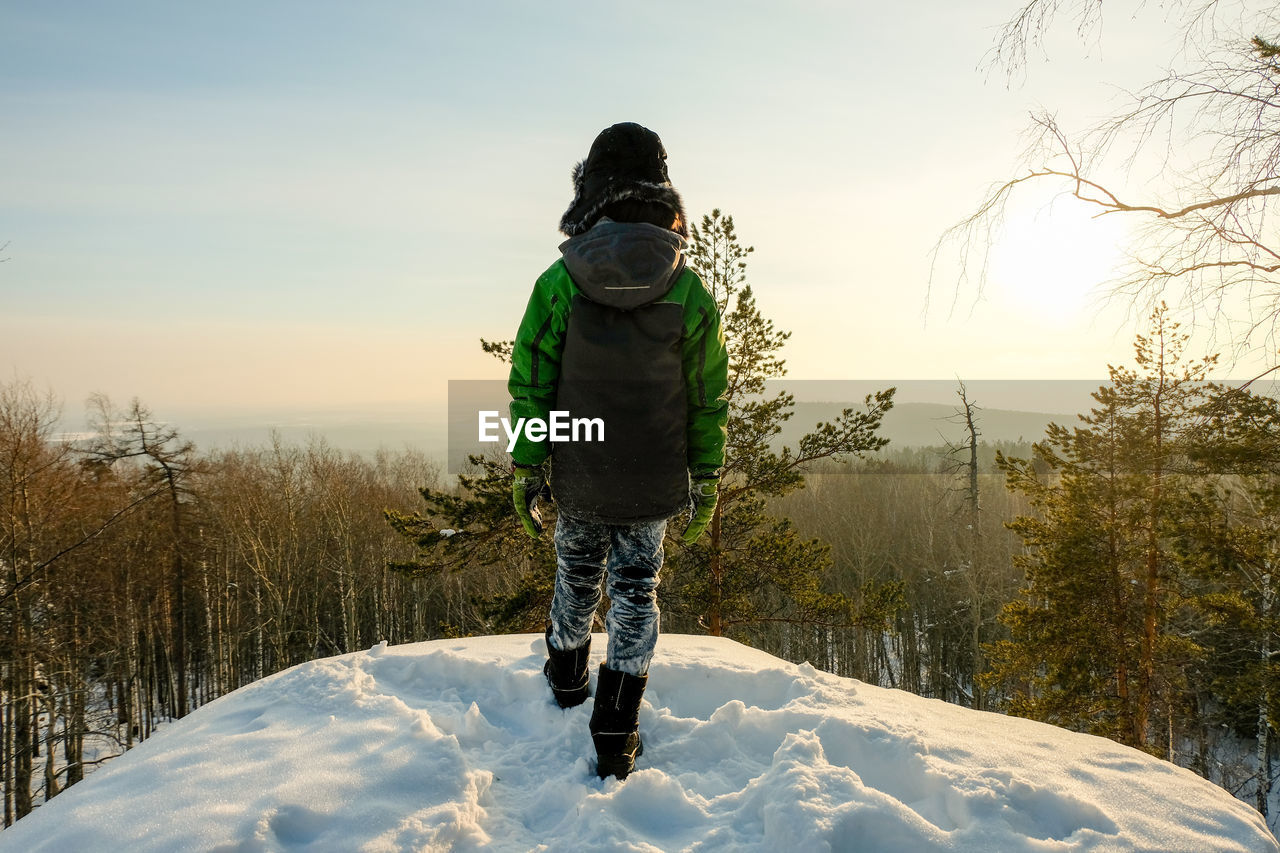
x=456 y=744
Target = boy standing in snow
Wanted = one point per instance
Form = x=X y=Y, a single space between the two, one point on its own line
x=621 y=330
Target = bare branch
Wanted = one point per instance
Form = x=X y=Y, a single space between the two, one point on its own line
x=1203 y=238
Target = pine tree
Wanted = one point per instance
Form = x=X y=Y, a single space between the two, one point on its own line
x=1229 y=547
x=473 y=532
x=1091 y=646
x=753 y=568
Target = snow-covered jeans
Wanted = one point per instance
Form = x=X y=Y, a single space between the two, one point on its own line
x=631 y=556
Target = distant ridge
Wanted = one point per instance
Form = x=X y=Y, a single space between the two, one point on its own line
x=923 y=415
x=906 y=425
x=931 y=424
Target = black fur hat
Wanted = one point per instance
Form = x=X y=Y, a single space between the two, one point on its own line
x=627 y=161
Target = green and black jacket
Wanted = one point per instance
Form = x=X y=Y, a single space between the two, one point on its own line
x=619 y=329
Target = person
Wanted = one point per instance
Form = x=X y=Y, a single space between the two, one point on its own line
x=618 y=329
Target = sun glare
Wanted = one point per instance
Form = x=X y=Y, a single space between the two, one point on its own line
x=1050 y=262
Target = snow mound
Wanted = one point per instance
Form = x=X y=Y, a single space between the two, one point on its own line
x=457 y=744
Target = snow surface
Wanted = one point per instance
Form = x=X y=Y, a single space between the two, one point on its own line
x=457 y=744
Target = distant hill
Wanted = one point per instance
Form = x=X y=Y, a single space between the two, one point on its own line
x=930 y=424
x=923 y=416
x=908 y=424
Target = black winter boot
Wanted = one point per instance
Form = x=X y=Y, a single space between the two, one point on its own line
x=566 y=672
x=615 y=721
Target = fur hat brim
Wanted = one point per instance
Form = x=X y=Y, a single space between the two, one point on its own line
x=586 y=207
x=627 y=162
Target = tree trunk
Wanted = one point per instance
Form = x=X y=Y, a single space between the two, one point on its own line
x=212 y=666
x=73 y=734
x=1151 y=587
x=22 y=758
x=259 y=665
x=50 y=742
x=178 y=657
x=7 y=714
x=717 y=575
x=1264 y=706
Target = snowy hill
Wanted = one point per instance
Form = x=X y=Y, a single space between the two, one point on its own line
x=456 y=744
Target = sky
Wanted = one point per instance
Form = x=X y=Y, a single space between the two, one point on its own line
x=236 y=205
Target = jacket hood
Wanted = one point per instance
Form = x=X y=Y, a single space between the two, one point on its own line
x=624 y=264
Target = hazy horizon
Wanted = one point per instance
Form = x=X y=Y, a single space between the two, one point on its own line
x=1007 y=411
